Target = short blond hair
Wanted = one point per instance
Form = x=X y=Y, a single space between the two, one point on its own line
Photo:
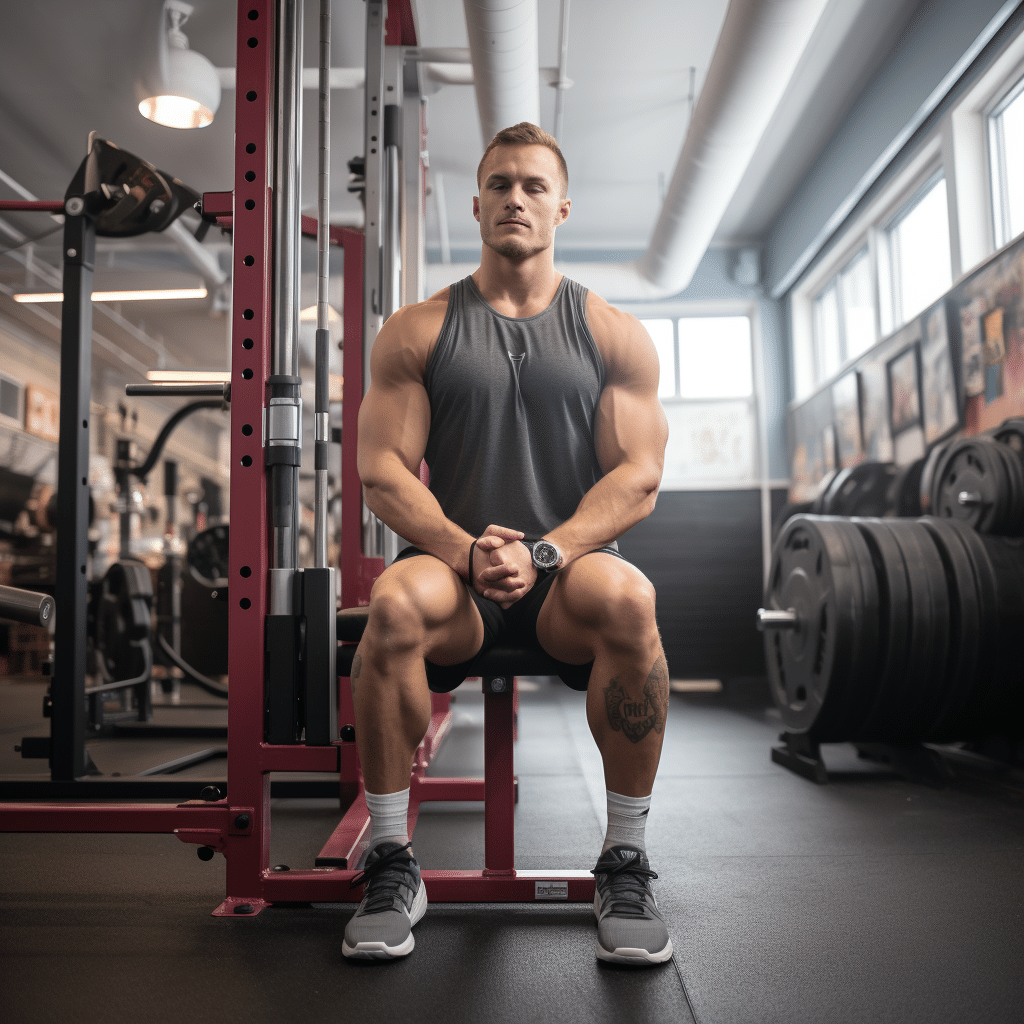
x=526 y=134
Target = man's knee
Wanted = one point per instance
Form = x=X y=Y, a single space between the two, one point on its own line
x=420 y=607
x=611 y=600
x=400 y=606
x=629 y=610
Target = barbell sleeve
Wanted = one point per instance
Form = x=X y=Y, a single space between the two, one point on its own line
x=775 y=618
x=27 y=606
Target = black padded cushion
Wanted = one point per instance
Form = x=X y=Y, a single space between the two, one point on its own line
x=498 y=661
x=351 y=624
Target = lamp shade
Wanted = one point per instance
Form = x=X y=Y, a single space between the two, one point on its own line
x=182 y=89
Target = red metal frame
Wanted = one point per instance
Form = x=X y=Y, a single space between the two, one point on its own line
x=239 y=825
x=43 y=205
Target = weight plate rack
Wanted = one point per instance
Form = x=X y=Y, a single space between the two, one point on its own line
x=894 y=631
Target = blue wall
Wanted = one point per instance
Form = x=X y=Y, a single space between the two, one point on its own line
x=937 y=36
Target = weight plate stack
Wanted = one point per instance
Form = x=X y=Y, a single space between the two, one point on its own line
x=903 y=498
x=932 y=465
x=980 y=483
x=822 y=664
x=971 y=591
x=790 y=509
x=123 y=619
x=860 y=490
x=909 y=704
x=896 y=648
x=1011 y=433
x=207 y=556
x=1000 y=698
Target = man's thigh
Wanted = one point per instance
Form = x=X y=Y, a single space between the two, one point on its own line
x=585 y=598
x=423 y=592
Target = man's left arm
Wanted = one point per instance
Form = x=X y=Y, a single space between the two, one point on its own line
x=630 y=435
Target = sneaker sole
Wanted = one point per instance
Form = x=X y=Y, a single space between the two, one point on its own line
x=628 y=954
x=381 y=950
x=636 y=957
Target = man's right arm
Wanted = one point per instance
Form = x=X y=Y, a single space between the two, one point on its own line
x=394 y=421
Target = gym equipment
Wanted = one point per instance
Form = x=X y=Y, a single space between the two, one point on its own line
x=892 y=631
x=903 y=498
x=1011 y=433
x=27 y=606
x=238 y=824
x=861 y=490
x=980 y=481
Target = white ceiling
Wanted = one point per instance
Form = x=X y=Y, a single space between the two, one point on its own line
x=67 y=67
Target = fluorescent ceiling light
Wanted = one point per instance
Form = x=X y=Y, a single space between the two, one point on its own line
x=122 y=296
x=182 y=89
x=190 y=376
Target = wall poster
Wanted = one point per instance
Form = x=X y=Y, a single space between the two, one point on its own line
x=941 y=409
x=846 y=405
x=988 y=310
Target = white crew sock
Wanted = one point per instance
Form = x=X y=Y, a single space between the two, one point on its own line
x=389 y=817
x=627 y=819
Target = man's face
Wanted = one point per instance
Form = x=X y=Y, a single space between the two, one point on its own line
x=520 y=202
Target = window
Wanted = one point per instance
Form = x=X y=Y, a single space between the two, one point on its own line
x=917 y=268
x=707 y=388
x=1006 y=160
x=703 y=357
x=844 y=317
x=714 y=357
x=663 y=334
x=10 y=399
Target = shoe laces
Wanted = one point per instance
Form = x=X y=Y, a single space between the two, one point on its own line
x=384 y=879
x=626 y=887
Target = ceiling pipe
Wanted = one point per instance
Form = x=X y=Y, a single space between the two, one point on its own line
x=758 y=49
x=504 y=50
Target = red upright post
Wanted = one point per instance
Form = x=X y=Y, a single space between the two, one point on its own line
x=248 y=785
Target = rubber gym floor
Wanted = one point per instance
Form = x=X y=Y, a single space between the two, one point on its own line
x=871 y=898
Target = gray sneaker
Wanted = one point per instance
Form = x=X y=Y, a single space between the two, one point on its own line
x=630 y=930
x=394 y=900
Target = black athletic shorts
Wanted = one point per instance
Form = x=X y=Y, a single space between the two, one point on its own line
x=512 y=627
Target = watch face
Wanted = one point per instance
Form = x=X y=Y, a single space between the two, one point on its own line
x=545 y=555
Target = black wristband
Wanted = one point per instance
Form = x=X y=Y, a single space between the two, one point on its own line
x=472 y=548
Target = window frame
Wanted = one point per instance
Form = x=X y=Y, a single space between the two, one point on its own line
x=887 y=233
x=998 y=177
x=868 y=230
x=835 y=282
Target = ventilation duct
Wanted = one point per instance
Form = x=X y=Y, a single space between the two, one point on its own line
x=503 y=48
x=758 y=49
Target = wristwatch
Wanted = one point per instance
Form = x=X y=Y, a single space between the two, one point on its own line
x=546 y=556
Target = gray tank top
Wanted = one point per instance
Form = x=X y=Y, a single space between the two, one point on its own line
x=512 y=404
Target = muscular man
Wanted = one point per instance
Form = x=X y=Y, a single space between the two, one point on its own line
x=535 y=405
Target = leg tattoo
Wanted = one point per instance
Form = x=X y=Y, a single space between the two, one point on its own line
x=636 y=718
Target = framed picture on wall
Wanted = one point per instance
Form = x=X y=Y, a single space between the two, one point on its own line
x=904 y=373
x=847 y=410
x=941 y=407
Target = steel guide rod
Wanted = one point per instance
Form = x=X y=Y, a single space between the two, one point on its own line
x=284 y=412
x=319 y=584
x=373 y=300
x=323 y=334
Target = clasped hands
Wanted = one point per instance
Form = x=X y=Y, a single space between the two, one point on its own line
x=502 y=569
